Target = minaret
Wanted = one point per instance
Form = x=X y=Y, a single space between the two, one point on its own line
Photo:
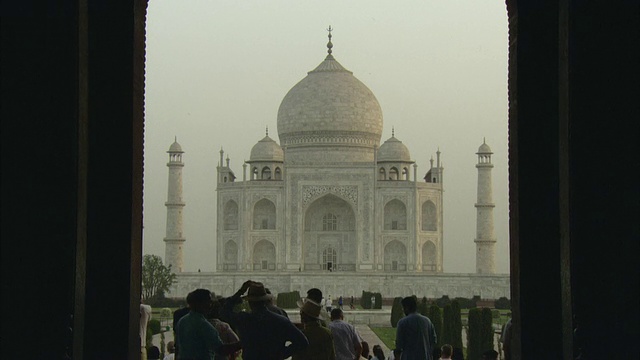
x=174 y=239
x=485 y=236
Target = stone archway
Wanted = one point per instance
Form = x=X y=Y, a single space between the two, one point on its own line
x=395 y=256
x=329 y=222
x=264 y=256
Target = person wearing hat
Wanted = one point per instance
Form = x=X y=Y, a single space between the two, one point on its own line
x=262 y=332
x=320 y=338
x=314 y=295
x=196 y=337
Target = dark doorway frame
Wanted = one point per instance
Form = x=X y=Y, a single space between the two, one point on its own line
x=72 y=150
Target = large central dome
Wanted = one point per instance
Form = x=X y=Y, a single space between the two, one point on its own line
x=329 y=107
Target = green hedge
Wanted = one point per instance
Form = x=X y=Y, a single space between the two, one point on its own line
x=365 y=300
x=154 y=326
x=465 y=303
x=443 y=301
x=397 y=312
x=480 y=332
x=423 y=307
x=503 y=303
x=487 y=330
x=474 y=337
x=288 y=300
x=434 y=313
x=456 y=340
x=448 y=324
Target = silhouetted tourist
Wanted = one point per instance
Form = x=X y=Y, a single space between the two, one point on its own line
x=505 y=339
x=457 y=354
x=145 y=316
x=273 y=307
x=153 y=353
x=177 y=315
x=346 y=340
x=378 y=354
x=365 y=354
x=197 y=338
x=490 y=355
x=320 y=338
x=262 y=332
x=227 y=335
x=352 y=304
x=171 y=351
x=315 y=295
x=446 y=351
x=340 y=302
x=415 y=335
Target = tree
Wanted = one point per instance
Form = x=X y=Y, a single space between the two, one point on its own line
x=156 y=278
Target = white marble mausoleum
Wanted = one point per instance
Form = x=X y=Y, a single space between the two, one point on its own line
x=329 y=198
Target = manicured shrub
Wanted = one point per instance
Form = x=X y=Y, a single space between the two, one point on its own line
x=423 y=307
x=465 y=303
x=486 y=333
x=456 y=335
x=397 y=312
x=448 y=323
x=288 y=300
x=154 y=326
x=503 y=303
x=474 y=336
x=443 y=301
x=365 y=300
x=435 y=315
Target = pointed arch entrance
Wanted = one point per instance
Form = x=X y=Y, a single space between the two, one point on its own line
x=395 y=256
x=264 y=256
x=329 y=237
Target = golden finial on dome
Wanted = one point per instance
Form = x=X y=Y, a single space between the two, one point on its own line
x=329 y=44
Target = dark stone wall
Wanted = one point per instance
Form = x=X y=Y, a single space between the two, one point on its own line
x=72 y=105
x=72 y=102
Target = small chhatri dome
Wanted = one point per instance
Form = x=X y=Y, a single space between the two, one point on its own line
x=175 y=147
x=393 y=150
x=267 y=150
x=484 y=148
x=329 y=106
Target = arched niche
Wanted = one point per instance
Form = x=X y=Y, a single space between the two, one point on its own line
x=330 y=222
x=264 y=215
x=230 y=215
x=382 y=174
x=230 y=258
x=264 y=256
x=394 y=174
x=429 y=256
x=395 y=256
x=429 y=216
x=266 y=173
x=395 y=215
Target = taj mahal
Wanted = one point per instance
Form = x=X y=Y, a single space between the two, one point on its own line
x=332 y=207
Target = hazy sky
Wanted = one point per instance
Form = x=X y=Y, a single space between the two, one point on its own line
x=217 y=71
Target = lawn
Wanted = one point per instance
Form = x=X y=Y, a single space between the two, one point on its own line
x=387 y=335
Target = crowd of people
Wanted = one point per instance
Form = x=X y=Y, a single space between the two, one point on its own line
x=210 y=328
